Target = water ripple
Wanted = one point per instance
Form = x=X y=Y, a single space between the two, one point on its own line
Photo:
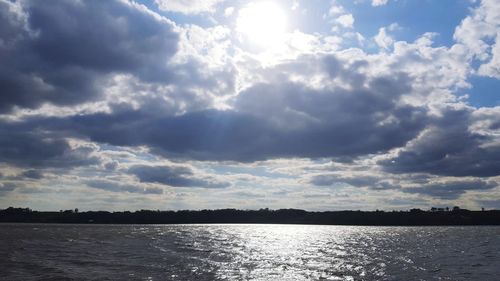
x=247 y=252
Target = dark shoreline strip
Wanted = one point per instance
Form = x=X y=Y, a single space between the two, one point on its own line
x=414 y=217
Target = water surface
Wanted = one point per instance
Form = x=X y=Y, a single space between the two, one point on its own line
x=247 y=252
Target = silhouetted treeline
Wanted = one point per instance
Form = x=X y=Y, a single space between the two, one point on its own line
x=283 y=216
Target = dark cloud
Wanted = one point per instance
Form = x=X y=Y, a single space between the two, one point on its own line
x=449 y=148
x=111 y=166
x=270 y=120
x=328 y=180
x=174 y=176
x=447 y=189
x=7 y=187
x=31 y=148
x=495 y=125
x=490 y=203
x=11 y=22
x=120 y=187
x=32 y=174
x=60 y=53
x=230 y=135
x=407 y=203
x=247 y=195
x=451 y=189
x=355 y=180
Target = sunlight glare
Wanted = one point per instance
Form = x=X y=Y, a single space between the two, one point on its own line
x=262 y=23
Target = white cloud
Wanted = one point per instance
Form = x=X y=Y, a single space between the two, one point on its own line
x=336 y=10
x=339 y=17
x=188 y=6
x=480 y=34
x=346 y=20
x=394 y=26
x=492 y=68
x=376 y=3
x=228 y=11
x=383 y=40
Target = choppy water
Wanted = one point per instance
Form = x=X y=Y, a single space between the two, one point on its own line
x=247 y=252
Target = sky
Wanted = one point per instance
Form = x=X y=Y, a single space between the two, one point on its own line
x=310 y=104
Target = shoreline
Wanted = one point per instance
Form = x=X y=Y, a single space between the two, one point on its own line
x=414 y=217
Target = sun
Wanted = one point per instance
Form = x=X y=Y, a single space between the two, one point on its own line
x=261 y=23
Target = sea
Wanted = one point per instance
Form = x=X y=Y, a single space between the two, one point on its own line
x=247 y=252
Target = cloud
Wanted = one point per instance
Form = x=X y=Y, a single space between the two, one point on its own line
x=27 y=175
x=490 y=203
x=23 y=147
x=338 y=15
x=479 y=34
x=111 y=166
x=188 y=6
x=357 y=180
x=228 y=11
x=377 y=3
x=32 y=174
x=423 y=184
x=335 y=10
x=346 y=20
x=383 y=40
x=113 y=186
x=276 y=119
x=83 y=78
x=449 y=147
x=62 y=53
x=7 y=187
x=174 y=176
x=450 y=189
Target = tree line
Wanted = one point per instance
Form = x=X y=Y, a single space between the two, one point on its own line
x=265 y=216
